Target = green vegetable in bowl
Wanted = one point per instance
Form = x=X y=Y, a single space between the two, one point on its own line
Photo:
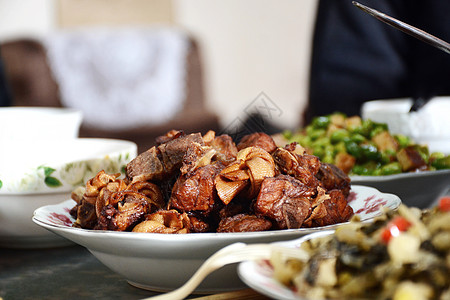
x=441 y=163
x=364 y=147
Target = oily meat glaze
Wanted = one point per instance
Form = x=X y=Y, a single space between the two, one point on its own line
x=189 y=183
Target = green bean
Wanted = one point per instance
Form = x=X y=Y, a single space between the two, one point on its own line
x=315 y=133
x=365 y=128
x=319 y=152
x=370 y=152
x=402 y=140
x=436 y=155
x=391 y=168
x=329 y=151
x=307 y=141
x=442 y=163
x=377 y=128
x=358 y=170
x=365 y=169
x=338 y=136
x=321 y=122
x=358 y=138
x=340 y=147
x=377 y=172
x=328 y=159
x=388 y=156
x=321 y=141
x=353 y=149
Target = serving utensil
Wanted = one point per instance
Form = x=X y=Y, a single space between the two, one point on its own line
x=419 y=102
x=406 y=28
x=233 y=253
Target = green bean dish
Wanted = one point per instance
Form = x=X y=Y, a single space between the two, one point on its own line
x=364 y=147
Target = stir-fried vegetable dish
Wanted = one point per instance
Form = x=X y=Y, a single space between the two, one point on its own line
x=364 y=147
x=402 y=255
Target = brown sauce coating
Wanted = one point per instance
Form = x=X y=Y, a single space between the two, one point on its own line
x=192 y=183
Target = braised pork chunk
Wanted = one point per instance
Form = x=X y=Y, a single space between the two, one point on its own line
x=191 y=183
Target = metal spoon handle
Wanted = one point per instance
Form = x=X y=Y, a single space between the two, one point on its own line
x=406 y=28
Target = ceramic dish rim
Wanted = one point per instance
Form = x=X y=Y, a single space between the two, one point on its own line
x=198 y=236
x=362 y=178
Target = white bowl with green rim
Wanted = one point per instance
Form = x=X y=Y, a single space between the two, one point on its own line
x=33 y=174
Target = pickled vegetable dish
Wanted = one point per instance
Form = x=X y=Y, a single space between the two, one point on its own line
x=401 y=255
x=364 y=147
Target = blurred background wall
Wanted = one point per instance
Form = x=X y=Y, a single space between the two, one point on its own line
x=248 y=47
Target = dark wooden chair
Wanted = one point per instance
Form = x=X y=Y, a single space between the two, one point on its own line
x=32 y=84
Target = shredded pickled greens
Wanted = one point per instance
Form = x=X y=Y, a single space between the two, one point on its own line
x=358 y=261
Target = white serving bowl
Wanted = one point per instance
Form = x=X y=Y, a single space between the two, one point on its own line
x=163 y=262
x=37 y=123
x=418 y=189
x=34 y=174
x=429 y=125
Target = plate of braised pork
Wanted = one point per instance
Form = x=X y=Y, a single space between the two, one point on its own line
x=192 y=194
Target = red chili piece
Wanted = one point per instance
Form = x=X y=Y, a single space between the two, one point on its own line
x=394 y=228
x=444 y=203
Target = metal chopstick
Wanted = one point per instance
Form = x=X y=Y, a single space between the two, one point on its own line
x=406 y=28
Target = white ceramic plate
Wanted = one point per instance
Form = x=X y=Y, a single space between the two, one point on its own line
x=164 y=262
x=419 y=189
x=258 y=274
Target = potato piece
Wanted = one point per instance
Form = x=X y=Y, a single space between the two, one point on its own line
x=326 y=276
x=410 y=159
x=441 y=241
x=408 y=290
x=338 y=120
x=353 y=122
x=345 y=161
x=385 y=141
x=404 y=249
x=332 y=128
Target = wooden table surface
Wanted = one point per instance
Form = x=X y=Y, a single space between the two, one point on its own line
x=73 y=273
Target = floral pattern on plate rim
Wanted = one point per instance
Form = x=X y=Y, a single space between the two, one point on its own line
x=370 y=205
